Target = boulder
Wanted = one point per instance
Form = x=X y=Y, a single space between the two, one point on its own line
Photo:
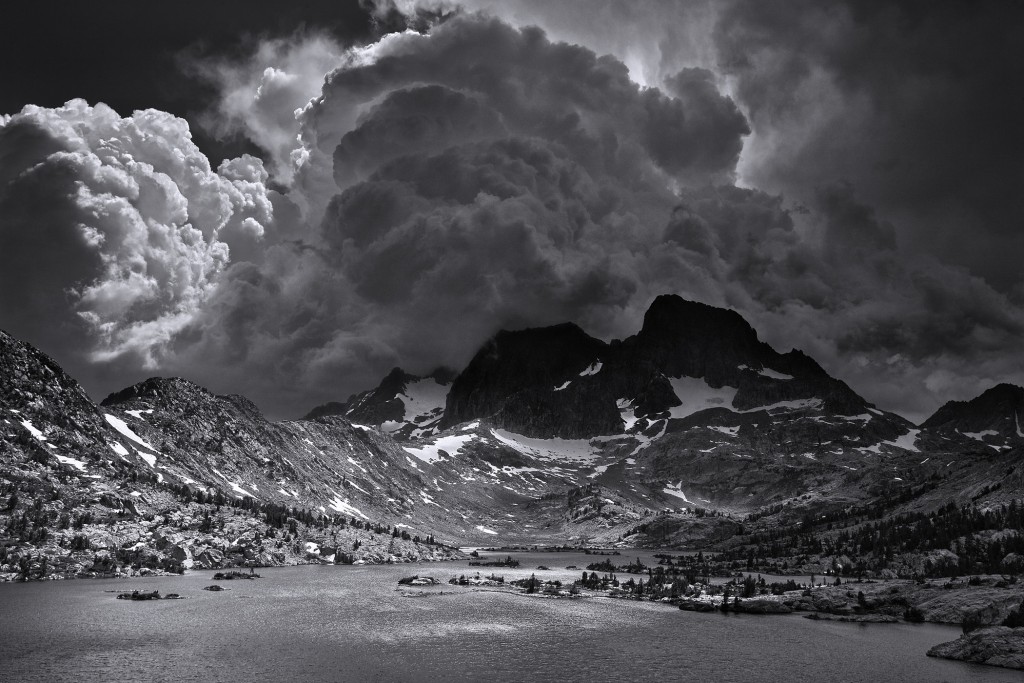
x=210 y=558
x=177 y=553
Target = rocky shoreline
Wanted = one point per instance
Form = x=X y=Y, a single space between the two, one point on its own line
x=995 y=646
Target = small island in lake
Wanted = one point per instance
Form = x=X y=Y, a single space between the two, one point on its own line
x=148 y=595
x=229 y=576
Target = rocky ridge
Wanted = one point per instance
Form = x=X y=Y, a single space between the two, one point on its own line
x=992 y=418
x=667 y=440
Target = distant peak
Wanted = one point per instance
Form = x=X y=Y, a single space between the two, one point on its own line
x=154 y=387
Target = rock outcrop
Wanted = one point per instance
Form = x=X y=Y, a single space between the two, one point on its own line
x=995 y=646
x=995 y=418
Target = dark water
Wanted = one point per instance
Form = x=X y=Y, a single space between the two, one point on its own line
x=351 y=624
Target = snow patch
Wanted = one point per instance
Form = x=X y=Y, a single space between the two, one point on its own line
x=126 y=431
x=593 y=369
x=118 y=448
x=450 y=444
x=773 y=374
x=547 y=449
x=567 y=383
x=907 y=442
x=980 y=436
x=677 y=491
x=627 y=413
x=137 y=414
x=486 y=530
x=77 y=464
x=424 y=398
x=345 y=507
x=799 y=404
x=728 y=431
x=696 y=395
x=27 y=424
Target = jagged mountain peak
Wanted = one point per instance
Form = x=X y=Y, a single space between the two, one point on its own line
x=403 y=404
x=515 y=373
x=995 y=417
x=687 y=357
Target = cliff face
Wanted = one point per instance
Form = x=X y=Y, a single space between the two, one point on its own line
x=523 y=381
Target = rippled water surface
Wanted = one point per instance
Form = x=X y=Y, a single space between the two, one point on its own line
x=352 y=624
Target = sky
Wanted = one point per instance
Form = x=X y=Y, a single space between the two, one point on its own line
x=285 y=201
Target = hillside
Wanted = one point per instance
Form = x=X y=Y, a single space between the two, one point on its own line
x=692 y=433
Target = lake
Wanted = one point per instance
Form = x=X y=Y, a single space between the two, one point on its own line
x=326 y=623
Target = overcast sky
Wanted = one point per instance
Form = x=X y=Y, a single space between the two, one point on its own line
x=286 y=201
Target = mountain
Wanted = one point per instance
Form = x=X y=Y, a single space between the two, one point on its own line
x=691 y=433
x=403 y=405
x=687 y=358
x=692 y=411
x=993 y=418
x=166 y=475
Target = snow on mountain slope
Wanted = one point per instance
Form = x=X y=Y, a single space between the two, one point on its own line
x=696 y=395
x=423 y=407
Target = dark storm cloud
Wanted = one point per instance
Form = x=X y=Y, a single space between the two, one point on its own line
x=436 y=187
x=916 y=104
x=480 y=177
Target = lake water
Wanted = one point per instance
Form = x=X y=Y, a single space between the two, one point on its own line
x=353 y=624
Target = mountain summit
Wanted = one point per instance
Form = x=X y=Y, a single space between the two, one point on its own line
x=688 y=357
x=995 y=418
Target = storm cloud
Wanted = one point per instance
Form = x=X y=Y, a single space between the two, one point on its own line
x=420 y=192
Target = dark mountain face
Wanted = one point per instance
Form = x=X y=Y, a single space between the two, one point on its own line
x=524 y=381
x=559 y=381
x=995 y=418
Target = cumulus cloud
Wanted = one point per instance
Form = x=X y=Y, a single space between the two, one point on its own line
x=113 y=230
x=258 y=96
x=477 y=177
x=437 y=186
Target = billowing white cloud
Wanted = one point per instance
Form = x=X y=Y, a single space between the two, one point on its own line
x=117 y=226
